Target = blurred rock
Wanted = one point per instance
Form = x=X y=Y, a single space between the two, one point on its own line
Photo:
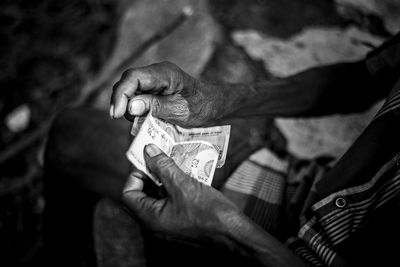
x=189 y=46
x=278 y=18
x=118 y=239
x=332 y=135
x=309 y=48
x=387 y=10
x=312 y=47
x=18 y=119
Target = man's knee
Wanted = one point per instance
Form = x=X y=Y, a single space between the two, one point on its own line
x=64 y=138
x=85 y=138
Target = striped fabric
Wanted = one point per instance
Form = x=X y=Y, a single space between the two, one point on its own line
x=392 y=103
x=386 y=59
x=332 y=224
x=303 y=251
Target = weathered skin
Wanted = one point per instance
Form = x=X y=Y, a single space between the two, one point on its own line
x=198 y=213
x=192 y=211
x=177 y=97
x=172 y=94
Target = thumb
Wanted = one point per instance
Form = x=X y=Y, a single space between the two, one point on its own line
x=136 y=200
x=163 y=167
x=172 y=108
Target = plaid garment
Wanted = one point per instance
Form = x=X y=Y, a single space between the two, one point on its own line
x=257 y=187
x=274 y=191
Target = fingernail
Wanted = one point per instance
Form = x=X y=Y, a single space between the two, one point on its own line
x=112 y=111
x=152 y=150
x=137 y=107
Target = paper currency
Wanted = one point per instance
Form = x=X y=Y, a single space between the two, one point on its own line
x=218 y=136
x=197 y=159
x=197 y=151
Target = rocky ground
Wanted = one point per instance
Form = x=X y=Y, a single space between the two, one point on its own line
x=58 y=52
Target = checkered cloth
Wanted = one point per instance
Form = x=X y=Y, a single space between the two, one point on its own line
x=257 y=187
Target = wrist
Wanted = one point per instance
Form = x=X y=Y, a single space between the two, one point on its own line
x=230 y=98
x=235 y=230
x=250 y=99
x=244 y=237
x=209 y=101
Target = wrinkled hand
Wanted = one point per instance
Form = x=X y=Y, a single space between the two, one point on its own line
x=196 y=213
x=191 y=211
x=171 y=94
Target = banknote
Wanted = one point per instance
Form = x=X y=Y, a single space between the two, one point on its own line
x=197 y=151
x=217 y=135
x=149 y=133
x=137 y=123
x=197 y=159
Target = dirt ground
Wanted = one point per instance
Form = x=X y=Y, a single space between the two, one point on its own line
x=60 y=53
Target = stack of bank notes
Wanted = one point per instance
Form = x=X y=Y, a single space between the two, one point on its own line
x=197 y=151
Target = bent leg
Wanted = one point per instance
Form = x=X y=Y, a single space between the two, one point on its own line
x=84 y=159
x=87 y=150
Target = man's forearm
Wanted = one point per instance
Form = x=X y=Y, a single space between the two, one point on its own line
x=338 y=88
x=243 y=236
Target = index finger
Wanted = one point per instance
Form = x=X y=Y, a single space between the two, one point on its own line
x=136 y=200
x=123 y=90
x=149 y=79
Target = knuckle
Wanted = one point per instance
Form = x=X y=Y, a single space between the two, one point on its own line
x=164 y=162
x=181 y=108
x=146 y=79
x=189 y=186
x=155 y=105
x=116 y=86
x=140 y=202
x=167 y=64
x=177 y=176
x=125 y=198
x=129 y=73
x=145 y=76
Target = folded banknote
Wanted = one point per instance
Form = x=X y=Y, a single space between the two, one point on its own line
x=197 y=151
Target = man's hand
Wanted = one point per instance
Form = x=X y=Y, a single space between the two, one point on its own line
x=169 y=92
x=198 y=213
x=191 y=211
